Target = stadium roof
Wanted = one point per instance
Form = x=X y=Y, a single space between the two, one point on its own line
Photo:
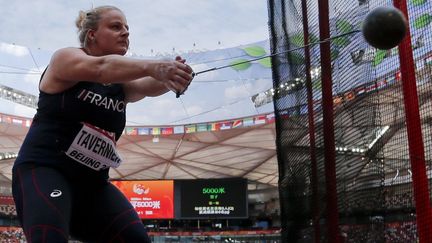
x=244 y=151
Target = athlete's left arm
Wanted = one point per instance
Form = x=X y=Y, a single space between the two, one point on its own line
x=138 y=89
x=147 y=86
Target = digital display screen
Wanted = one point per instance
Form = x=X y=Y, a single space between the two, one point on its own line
x=151 y=199
x=213 y=198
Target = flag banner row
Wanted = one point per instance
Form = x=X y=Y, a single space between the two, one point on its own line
x=201 y=127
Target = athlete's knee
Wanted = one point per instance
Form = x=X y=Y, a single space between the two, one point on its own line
x=132 y=232
x=45 y=234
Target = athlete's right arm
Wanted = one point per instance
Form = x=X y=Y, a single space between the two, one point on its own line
x=74 y=65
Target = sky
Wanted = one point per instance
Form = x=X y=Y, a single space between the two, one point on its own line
x=207 y=33
x=154 y=25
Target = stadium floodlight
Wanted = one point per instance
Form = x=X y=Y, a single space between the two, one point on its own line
x=18 y=96
x=378 y=135
x=284 y=89
x=8 y=155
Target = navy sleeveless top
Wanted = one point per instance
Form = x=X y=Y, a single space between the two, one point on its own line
x=59 y=118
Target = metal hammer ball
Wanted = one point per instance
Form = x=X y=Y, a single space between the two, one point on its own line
x=384 y=27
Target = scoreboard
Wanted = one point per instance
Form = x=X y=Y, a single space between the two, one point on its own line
x=187 y=199
x=212 y=198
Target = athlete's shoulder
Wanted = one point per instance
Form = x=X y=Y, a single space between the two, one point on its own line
x=68 y=51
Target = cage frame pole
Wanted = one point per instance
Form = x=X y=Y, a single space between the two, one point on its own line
x=328 y=123
x=414 y=132
x=312 y=141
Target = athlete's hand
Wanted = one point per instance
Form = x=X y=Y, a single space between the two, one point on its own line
x=176 y=75
x=180 y=59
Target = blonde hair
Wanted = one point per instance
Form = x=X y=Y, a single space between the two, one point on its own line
x=89 y=20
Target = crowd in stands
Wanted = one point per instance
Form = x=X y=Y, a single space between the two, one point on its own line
x=7 y=207
x=400 y=231
x=11 y=235
x=8 y=211
x=389 y=200
x=400 y=200
x=395 y=232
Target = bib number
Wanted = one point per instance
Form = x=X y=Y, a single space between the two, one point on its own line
x=94 y=148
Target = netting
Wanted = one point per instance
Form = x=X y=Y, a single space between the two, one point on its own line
x=352 y=157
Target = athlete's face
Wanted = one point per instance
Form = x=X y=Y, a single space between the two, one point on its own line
x=112 y=35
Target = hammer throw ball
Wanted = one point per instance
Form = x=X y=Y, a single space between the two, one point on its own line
x=384 y=27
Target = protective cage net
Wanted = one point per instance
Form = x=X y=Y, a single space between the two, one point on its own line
x=370 y=196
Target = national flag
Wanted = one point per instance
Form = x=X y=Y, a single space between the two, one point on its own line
x=167 y=130
x=428 y=60
x=270 y=117
x=371 y=88
x=381 y=84
x=248 y=121
x=155 y=131
x=259 y=120
x=360 y=90
x=391 y=80
x=202 y=127
x=225 y=125
x=143 y=131
x=179 y=129
x=131 y=131
x=213 y=126
x=17 y=121
x=237 y=123
x=190 y=128
x=284 y=113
